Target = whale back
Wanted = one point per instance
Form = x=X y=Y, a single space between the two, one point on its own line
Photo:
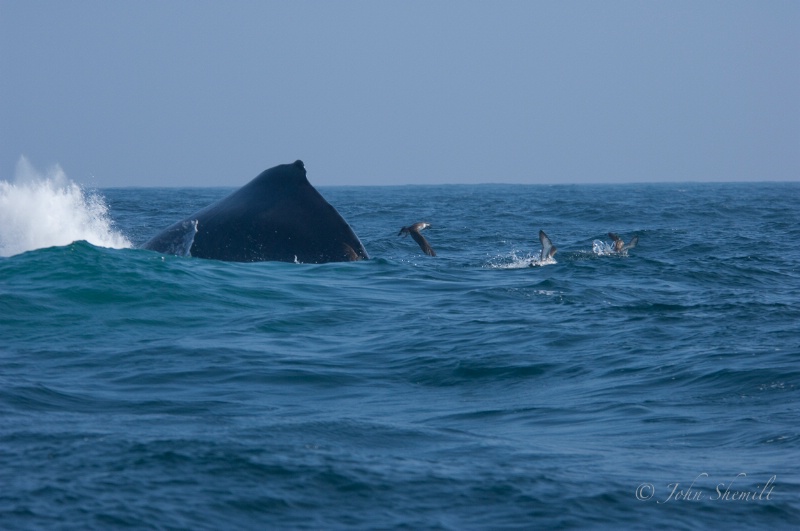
x=278 y=216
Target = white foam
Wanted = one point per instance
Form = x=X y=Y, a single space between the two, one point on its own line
x=47 y=209
x=513 y=261
x=601 y=248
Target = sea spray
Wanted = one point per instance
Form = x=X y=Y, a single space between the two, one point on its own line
x=47 y=209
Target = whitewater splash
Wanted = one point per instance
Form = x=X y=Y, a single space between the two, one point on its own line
x=44 y=210
x=601 y=248
x=515 y=261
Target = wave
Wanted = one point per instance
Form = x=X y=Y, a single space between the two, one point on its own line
x=47 y=209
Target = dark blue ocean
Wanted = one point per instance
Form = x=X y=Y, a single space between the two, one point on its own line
x=465 y=391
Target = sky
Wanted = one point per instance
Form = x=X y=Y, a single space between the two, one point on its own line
x=211 y=93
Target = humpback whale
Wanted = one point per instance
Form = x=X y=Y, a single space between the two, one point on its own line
x=413 y=230
x=619 y=245
x=278 y=216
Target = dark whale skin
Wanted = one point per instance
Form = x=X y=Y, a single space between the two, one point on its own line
x=278 y=216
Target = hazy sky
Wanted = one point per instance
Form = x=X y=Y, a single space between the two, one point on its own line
x=124 y=93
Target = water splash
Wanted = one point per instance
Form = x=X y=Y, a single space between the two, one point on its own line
x=47 y=209
x=601 y=248
x=515 y=261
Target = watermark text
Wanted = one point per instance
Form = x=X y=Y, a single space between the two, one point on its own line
x=703 y=488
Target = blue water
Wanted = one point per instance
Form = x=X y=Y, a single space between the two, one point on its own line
x=465 y=391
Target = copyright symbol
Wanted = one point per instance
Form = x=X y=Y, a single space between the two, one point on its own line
x=645 y=491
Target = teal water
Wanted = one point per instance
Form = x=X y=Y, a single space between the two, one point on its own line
x=465 y=391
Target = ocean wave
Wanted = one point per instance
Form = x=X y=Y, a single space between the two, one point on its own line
x=45 y=209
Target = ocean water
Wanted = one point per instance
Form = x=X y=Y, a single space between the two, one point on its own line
x=465 y=391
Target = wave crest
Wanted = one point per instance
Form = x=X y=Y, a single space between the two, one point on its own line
x=47 y=209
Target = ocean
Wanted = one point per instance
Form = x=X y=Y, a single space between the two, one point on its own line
x=657 y=389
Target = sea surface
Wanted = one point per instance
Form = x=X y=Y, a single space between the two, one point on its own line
x=657 y=389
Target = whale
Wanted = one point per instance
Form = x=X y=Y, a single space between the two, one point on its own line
x=278 y=216
x=414 y=231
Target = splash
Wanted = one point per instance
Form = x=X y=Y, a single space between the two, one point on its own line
x=44 y=210
x=515 y=261
x=601 y=248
